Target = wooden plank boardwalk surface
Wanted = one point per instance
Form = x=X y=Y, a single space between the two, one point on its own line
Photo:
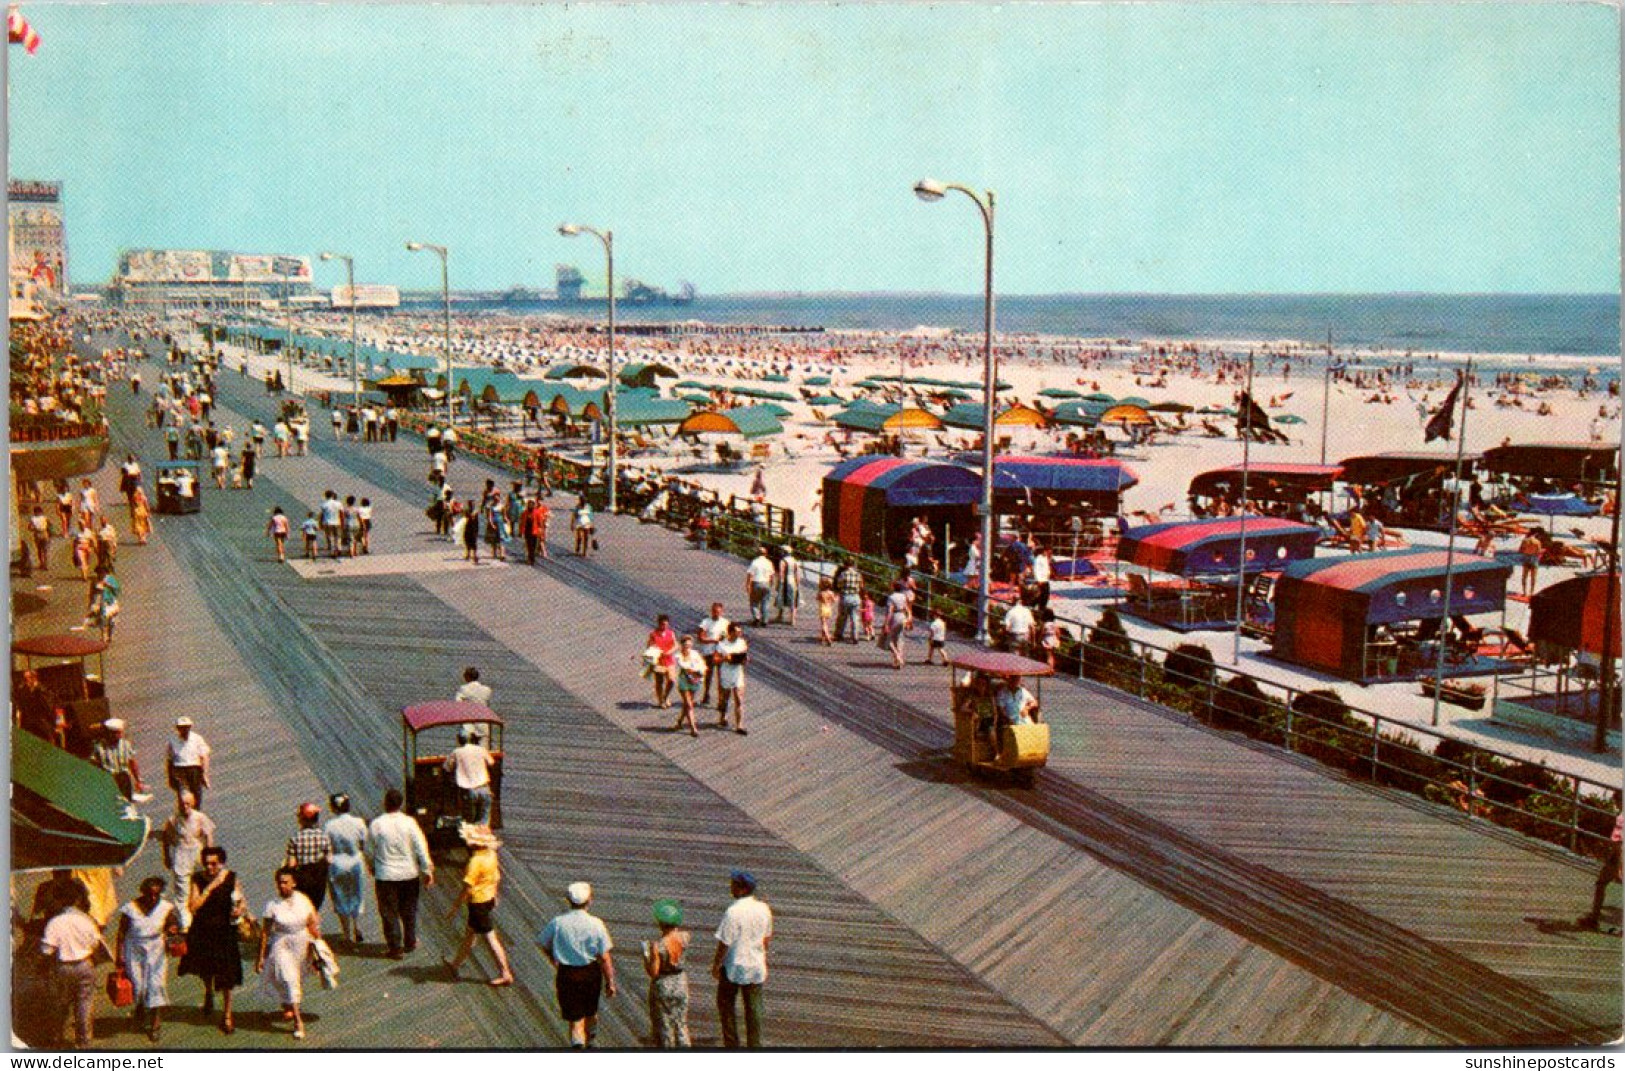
x=1165 y=884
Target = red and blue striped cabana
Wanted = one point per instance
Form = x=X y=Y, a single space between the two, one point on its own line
x=1325 y=609
x=870 y=501
x=1213 y=547
x=1025 y=483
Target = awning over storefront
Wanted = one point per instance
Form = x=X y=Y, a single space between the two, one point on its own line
x=1579 y=614
x=1214 y=547
x=66 y=812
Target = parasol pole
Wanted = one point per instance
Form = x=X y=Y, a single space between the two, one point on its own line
x=1241 y=550
x=1450 y=546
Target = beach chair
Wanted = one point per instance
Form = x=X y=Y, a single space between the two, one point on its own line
x=760 y=451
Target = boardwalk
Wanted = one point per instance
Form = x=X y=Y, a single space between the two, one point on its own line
x=1163 y=885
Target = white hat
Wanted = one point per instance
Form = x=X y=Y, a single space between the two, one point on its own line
x=183 y=720
x=114 y=725
x=579 y=893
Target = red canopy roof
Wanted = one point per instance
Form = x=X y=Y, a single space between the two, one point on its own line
x=62 y=645
x=446 y=712
x=1579 y=613
x=1000 y=664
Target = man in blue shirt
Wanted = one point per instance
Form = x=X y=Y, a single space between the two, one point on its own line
x=578 y=945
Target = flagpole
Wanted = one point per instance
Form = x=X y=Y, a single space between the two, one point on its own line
x=1241 y=550
x=1326 y=397
x=1450 y=547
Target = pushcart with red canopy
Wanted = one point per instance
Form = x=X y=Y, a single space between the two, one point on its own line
x=429 y=733
x=993 y=736
x=72 y=671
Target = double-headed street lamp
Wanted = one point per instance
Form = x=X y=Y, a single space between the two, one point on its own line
x=932 y=190
x=570 y=230
x=445 y=293
x=355 y=368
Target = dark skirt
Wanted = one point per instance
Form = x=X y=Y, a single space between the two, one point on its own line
x=212 y=950
x=578 y=989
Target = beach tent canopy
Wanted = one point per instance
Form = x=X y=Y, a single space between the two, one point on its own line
x=869 y=502
x=575 y=371
x=1100 y=396
x=637 y=412
x=1214 y=547
x=886 y=418
x=751 y=421
x=576 y=403
x=970 y=415
x=1324 y=607
x=1266 y=482
x=1567 y=505
x=1135 y=401
x=1082 y=414
x=763 y=392
x=776 y=377
x=693 y=384
x=1061 y=475
x=1060 y=392
x=1579 y=614
x=1558 y=461
x=823 y=399
x=485 y=384
x=1401 y=465
x=637 y=374
x=66 y=812
x=816 y=381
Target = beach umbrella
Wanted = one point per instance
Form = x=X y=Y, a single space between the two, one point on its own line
x=698 y=399
x=1290 y=418
x=1059 y=392
x=692 y=384
x=816 y=381
x=1170 y=407
x=824 y=399
x=1126 y=414
x=1099 y=396
x=776 y=377
x=1552 y=506
x=1140 y=402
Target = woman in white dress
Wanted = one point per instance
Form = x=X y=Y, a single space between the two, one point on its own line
x=348 y=834
x=143 y=925
x=290 y=925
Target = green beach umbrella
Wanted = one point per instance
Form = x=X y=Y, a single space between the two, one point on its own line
x=1290 y=418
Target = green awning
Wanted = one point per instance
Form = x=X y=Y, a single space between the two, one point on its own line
x=637 y=412
x=66 y=812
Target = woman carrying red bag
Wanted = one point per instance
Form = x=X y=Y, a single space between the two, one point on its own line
x=145 y=927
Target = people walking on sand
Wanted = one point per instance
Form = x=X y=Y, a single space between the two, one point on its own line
x=347 y=834
x=663 y=641
x=141 y=951
x=1530 y=550
x=277 y=529
x=668 y=981
x=289 y=926
x=690 y=667
x=398 y=856
x=482 y=877
x=578 y=945
x=732 y=654
x=740 y=962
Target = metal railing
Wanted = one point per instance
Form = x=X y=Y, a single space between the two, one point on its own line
x=1569 y=810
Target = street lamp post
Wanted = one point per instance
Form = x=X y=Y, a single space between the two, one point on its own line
x=287 y=316
x=445 y=294
x=931 y=190
x=355 y=367
x=570 y=230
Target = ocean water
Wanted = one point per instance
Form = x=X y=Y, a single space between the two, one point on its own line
x=1584 y=325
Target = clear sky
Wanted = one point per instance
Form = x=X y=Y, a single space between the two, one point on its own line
x=1150 y=148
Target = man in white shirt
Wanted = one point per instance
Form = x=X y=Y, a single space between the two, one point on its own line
x=740 y=963
x=398 y=856
x=473 y=690
x=470 y=763
x=71 y=942
x=187 y=762
x=759 y=586
x=183 y=838
x=712 y=631
x=1018 y=627
x=578 y=945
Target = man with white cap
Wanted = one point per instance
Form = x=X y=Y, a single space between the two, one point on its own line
x=740 y=963
x=578 y=946
x=188 y=761
x=116 y=755
x=183 y=839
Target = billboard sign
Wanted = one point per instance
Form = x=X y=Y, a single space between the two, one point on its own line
x=35 y=235
x=166 y=266
x=253 y=268
x=367 y=296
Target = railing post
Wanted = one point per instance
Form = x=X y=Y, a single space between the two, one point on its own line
x=1290 y=730
x=1376 y=744
x=1472 y=779
x=1574 y=813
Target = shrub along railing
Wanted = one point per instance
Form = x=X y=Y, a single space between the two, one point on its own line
x=1565 y=809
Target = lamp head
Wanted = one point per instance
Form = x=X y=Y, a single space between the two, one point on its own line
x=327 y=256
x=930 y=190
x=414 y=246
x=569 y=230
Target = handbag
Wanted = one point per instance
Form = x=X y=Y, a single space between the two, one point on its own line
x=119 y=990
x=248 y=929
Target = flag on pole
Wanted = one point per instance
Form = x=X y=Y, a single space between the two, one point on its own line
x=1443 y=421
x=19 y=32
